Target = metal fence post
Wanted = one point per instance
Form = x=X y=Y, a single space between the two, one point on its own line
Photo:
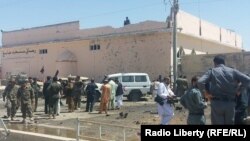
x=78 y=129
x=100 y=131
x=124 y=134
x=5 y=129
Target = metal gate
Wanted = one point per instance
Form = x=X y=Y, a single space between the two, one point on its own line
x=5 y=132
x=102 y=133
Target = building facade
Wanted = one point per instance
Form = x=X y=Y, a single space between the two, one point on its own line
x=199 y=64
x=142 y=47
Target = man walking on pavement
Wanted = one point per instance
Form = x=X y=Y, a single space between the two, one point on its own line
x=54 y=91
x=165 y=110
x=223 y=89
x=46 y=94
x=26 y=95
x=36 y=89
x=10 y=94
x=111 y=105
x=119 y=94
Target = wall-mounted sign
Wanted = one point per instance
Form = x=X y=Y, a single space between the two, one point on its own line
x=27 y=51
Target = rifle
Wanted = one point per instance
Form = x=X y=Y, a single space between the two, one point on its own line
x=56 y=74
x=173 y=100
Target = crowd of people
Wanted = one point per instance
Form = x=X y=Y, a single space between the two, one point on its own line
x=226 y=89
x=26 y=94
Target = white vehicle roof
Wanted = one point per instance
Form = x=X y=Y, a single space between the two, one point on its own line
x=2 y=87
x=81 y=77
x=125 y=74
x=39 y=83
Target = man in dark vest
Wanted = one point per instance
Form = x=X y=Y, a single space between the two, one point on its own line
x=54 y=90
x=91 y=95
x=46 y=94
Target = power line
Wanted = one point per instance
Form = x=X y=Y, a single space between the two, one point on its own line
x=170 y=2
x=165 y=4
x=204 y=1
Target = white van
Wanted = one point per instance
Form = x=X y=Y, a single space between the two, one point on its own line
x=135 y=85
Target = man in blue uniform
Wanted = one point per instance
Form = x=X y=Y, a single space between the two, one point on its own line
x=193 y=101
x=91 y=95
x=241 y=104
x=223 y=89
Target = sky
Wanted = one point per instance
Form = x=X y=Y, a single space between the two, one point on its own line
x=19 y=14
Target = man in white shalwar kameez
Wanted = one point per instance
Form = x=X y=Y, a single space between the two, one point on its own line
x=111 y=105
x=165 y=111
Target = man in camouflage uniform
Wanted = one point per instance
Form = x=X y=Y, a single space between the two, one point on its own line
x=77 y=92
x=29 y=85
x=36 y=89
x=25 y=94
x=68 y=93
x=54 y=90
x=10 y=94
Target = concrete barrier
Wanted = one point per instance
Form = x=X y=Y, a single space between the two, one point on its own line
x=16 y=135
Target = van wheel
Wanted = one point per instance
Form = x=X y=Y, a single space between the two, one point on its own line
x=134 y=96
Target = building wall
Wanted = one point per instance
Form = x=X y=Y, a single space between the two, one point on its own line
x=143 y=52
x=199 y=64
x=41 y=34
x=142 y=47
x=203 y=45
x=195 y=26
x=138 y=53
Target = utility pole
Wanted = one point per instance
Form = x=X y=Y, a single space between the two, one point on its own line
x=175 y=9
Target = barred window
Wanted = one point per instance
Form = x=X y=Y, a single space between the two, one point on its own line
x=140 y=78
x=127 y=78
x=43 y=51
x=95 y=47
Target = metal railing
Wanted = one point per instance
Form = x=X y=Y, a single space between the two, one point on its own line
x=100 y=129
x=3 y=133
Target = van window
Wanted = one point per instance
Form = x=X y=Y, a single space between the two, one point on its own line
x=127 y=78
x=140 y=78
x=114 y=78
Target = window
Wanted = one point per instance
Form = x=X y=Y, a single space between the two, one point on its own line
x=127 y=78
x=180 y=52
x=114 y=78
x=95 y=47
x=141 y=78
x=91 y=47
x=43 y=51
x=98 y=47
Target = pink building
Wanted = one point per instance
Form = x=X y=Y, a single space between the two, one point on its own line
x=140 y=47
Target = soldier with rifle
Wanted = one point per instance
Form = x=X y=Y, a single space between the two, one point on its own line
x=10 y=96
